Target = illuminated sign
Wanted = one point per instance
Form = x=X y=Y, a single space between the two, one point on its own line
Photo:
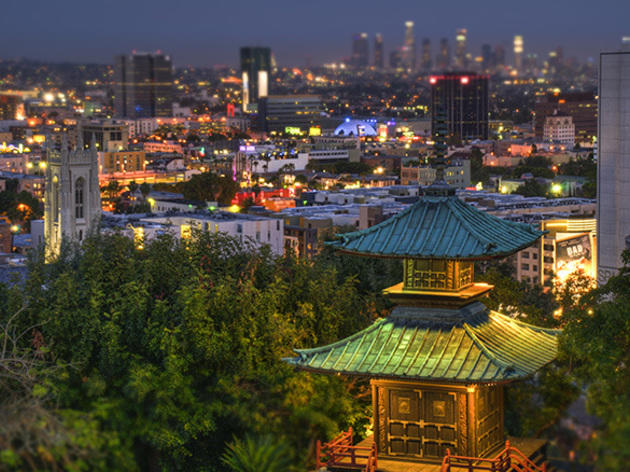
x=293 y=130
x=574 y=254
x=314 y=131
x=12 y=149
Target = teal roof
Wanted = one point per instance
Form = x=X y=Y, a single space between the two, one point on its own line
x=472 y=344
x=440 y=227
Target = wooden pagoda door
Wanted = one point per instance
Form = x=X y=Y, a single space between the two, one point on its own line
x=416 y=422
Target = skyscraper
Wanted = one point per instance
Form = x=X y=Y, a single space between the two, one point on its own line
x=487 y=57
x=143 y=86
x=613 y=169
x=395 y=59
x=360 y=51
x=409 y=48
x=499 y=56
x=426 y=55
x=460 y=48
x=255 y=73
x=518 y=53
x=444 y=58
x=463 y=98
x=378 y=51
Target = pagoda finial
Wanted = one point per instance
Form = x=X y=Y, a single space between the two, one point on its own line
x=439 y=185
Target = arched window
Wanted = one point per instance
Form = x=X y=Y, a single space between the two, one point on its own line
x=79 y=193
x=55 y=199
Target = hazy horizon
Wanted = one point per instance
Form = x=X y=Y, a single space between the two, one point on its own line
x=202 y=33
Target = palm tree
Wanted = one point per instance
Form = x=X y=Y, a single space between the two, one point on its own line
x=257 y=454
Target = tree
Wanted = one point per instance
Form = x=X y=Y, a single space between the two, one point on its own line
x=34 y=434
x=596 y=343
x=531 y=188
x=145 y=189
x=262 y=454
x=176 y=348
x=209 y=187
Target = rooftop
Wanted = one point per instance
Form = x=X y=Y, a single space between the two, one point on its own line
x=440 y=227
x=471 y=344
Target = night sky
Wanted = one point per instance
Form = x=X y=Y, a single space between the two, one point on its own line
x=209 y=32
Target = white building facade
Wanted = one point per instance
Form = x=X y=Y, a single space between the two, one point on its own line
x=613 y=170
x=559 y=130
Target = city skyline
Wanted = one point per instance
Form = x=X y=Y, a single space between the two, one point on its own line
x=201 y=34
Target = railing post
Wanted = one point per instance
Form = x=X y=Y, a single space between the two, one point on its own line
x=375 y=456
x=351 y=436
x=318 y=454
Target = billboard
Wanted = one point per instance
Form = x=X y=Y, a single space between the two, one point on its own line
x=574 y=254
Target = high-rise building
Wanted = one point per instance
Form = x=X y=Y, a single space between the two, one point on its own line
x=487 y=58
x=360 y=51
x=463 y=99
x=143 y=86
x=444 y=58
x=426 y=55
x=255 y=74
x=9 y=106
x=559 y=129
x=279 y=112
x=378 y=51
x=581 y=106
x=518 y=53
x=409 y=48
x=499 y=56
x=395 y=59
x=73 y=198
x=108 y=135
x=460 y=48
x=613 y=169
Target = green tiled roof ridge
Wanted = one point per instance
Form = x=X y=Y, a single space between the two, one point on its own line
x=482 y=347
x=464 y=233
x=466 y=212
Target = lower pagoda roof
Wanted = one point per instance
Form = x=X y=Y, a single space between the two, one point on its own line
x=472 y=344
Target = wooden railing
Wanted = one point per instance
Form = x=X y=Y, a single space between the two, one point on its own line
x=510 y=458
x=341 y=454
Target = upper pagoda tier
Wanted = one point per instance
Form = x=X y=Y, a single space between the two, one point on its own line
x=440 y=227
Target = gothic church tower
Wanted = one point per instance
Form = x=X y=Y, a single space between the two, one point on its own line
x=73 y=199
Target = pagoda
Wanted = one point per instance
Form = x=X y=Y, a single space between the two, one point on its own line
x=438 y=363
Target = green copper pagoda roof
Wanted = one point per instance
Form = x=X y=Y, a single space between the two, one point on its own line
x=440 y=227
x=472 y=344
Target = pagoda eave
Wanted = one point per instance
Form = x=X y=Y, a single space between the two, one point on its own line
x=478 y=258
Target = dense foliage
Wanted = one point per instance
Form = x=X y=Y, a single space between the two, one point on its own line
x=596 y=345
x=156 y=359
x=206 y=187
x=169 y=358
x=19 y=207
